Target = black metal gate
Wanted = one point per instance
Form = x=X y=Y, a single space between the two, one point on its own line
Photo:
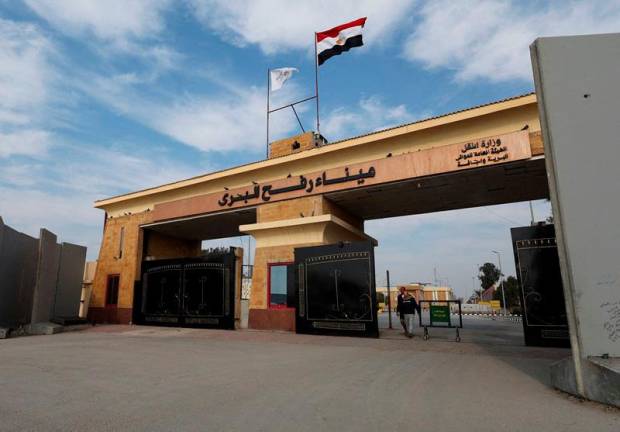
x=335 y=290
x=542 y=296
x=190 y=292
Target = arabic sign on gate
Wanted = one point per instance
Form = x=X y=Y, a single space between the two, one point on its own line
x=483 y=151
x=307 y=185
x=407 y=165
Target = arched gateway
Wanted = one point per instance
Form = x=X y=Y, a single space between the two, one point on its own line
x=307 y=194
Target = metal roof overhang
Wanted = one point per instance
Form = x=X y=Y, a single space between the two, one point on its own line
x=499 y=184
x=206 y=227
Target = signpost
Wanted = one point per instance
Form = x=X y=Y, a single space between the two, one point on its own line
x=440 y=315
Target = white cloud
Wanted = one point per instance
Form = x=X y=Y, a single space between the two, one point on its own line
x=29 y=142
x=231 y=119
x=276 y=25
x=369 y=115
x=452 y=242
x=26 y=78
x=112 y=20
x=489 y=39
x=24 y=73
x=59 y=193
x=113 y=27
x=226 y=123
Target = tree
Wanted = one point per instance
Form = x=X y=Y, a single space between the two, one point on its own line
x=511 y=291
x=489 y=275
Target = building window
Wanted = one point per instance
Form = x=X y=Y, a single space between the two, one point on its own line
x=121 y=240
x=277 y=284
x=111 y=297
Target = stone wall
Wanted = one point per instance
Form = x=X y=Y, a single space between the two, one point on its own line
x=126 y=260
x=112 y=261
x=261 y=316
x=295 y=144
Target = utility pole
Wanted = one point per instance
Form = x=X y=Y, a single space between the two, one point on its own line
x=532 y=214
x=499 y=258
x=389 y=302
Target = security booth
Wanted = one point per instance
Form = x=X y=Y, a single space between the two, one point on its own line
x=190 y=292
x=335 y=287
x=541 y=292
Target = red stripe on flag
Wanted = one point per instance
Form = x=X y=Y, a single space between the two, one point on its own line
x=334 y=31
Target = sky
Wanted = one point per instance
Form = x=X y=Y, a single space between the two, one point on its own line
x=99 y=98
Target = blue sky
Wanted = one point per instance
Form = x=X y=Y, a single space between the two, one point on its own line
x=99 y=98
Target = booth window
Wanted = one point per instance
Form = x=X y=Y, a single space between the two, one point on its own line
x=278 y=285
x=111 y=298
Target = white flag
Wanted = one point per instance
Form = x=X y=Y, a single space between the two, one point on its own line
x=279 y=76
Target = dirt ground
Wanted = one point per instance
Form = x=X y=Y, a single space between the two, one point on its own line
x=111 y=378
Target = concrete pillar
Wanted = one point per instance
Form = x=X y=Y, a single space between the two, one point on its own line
x=579 y=99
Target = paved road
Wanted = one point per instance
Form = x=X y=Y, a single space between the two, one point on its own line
x=112 y=378
x=476 y=329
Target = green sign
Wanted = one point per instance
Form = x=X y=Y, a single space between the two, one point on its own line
x=440 y=314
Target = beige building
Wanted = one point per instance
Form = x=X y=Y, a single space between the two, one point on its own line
x=309 y=193
x=419 y=291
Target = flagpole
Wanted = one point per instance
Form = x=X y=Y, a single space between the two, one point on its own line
x=267 y=113
x=316 y=85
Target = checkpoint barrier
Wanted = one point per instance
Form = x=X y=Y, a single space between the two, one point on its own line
x=440 y=315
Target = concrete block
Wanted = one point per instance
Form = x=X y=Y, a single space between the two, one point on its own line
x=47 y=275
x=18 y=262
x=601 y=375
x=563 y=376
x=45 y=328
x=69 y=286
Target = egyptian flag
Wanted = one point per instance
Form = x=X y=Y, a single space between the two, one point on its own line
x=339 y=39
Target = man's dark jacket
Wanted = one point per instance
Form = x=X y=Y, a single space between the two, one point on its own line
x=406 y=305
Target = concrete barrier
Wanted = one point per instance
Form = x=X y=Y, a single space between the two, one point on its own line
x=40 y=280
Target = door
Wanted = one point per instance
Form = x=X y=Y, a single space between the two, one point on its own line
x=542 y=296
x=335 y=290
x=189 y=292
x=111 y=299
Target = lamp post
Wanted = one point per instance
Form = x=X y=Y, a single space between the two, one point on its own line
x=389 y=298
x=499 y=259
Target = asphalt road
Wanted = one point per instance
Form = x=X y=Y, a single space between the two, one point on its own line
x=112 y=378
x=476 y=329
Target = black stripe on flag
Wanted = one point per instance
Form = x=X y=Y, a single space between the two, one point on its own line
x=352 y=42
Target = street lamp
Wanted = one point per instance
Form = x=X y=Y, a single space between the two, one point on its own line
x=499 y=259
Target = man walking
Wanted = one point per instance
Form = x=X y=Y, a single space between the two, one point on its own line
x=406 y=307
